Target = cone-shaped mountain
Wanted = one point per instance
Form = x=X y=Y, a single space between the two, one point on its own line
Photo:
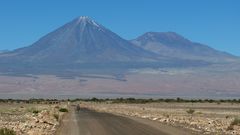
x=79 y=41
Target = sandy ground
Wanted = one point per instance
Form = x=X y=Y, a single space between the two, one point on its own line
x=208 y=118
x=172 y=83
x=30 y=119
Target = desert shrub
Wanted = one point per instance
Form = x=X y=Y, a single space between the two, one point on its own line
x=199 y=112
x=63 y=110
x=5 y=131
x=166 y=115
x=94 y=99
x=132 y=100
x=190 y=111
x=168 y=100
x=230 y=127
x=33 y=110
x=236 y=121
x=179 y=100
x=209 y=100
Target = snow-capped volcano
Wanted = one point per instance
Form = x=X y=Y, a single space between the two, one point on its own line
x=81 y=41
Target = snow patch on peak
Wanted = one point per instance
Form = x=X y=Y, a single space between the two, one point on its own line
x=94 y=23
x=83 y=18
x=86 y=19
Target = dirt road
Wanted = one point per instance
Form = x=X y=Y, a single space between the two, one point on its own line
x=87 y=122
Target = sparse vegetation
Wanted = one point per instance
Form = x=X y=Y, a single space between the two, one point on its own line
x=199 y=113
x=132 y=100
x=33 y=110
x=121 y=100
x=32 y=101
x=236 y=121
x=36 y=111
x=166 y=115
x=5 y=131
x=63 y=110
x=24 y=117
x=167 y=100
x=190 y=111
x=208 y=118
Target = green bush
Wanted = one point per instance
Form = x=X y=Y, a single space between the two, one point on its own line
x=190 y=111
x=63 y=110
x=35 y=111
x=5 y=131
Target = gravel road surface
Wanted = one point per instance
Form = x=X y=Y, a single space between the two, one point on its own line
x=88 y=122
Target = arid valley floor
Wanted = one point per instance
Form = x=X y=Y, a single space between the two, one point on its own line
x=210 y=82
x=108 y=118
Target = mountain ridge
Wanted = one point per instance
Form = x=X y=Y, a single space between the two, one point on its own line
x=171 y=44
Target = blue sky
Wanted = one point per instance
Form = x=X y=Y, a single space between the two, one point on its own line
x=212 y=22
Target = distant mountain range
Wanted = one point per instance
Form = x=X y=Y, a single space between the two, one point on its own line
x=84 y=44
